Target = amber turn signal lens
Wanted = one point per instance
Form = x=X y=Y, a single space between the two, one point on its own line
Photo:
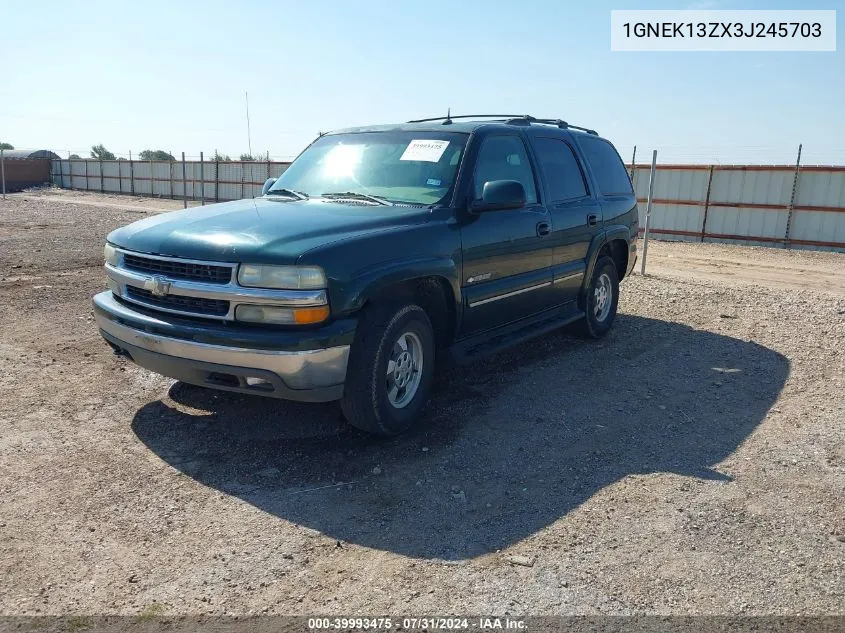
x=277 y=315
x=303 y=316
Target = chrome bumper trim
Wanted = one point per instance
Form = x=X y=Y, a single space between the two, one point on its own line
x=308 y=369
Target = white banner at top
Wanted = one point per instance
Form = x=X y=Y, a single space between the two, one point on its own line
x=727 y=30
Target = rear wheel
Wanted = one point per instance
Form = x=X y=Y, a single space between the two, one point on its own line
x=601 y=298
x=390 y=370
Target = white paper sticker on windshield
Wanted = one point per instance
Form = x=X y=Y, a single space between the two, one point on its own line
x=425 y=150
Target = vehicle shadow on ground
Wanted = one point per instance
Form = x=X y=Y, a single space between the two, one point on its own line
x=508 y=446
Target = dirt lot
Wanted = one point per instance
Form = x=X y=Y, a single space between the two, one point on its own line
x=692 y=462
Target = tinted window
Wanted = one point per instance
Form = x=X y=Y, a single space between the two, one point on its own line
x=561 y=169
x=608 y=170
x=504 y=158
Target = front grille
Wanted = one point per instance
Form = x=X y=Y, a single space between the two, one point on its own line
x=175 y=269
x=194 y=305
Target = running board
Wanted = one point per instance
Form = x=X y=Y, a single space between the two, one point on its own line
x=489 y=343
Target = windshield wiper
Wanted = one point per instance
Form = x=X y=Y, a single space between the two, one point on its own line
x=354 y=195
x=299 y=195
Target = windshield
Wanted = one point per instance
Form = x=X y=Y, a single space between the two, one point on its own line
x=396 y=167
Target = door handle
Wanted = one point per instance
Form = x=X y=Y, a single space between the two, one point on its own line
x=543 y=229
x=592 y=219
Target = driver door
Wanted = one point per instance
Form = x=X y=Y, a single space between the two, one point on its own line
x=507 y=255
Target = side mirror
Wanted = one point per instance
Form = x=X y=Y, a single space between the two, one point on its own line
x=267 y=184
x=498 y=195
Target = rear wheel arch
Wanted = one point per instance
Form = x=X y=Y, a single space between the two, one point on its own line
x=618 y=249
x=608 y=241
x=604 y=243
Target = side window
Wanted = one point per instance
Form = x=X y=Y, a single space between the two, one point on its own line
x=610 y=174
x=561 y=169
x=504 y=158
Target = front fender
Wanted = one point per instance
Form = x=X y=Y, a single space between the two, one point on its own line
x=362 y=268
x=375 y=280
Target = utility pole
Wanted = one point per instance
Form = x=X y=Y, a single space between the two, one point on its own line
x=248 y=135
x=633 y=164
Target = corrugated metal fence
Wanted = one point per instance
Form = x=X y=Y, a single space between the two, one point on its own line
x=768 y=205
x=211 y=181
x=771 y=205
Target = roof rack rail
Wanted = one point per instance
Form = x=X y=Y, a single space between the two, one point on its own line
x=448 y=118
x=515 y=119
x=528 y=119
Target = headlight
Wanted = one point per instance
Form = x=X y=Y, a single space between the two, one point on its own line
x=276 y=315
x=110 y=255
x=282 y=277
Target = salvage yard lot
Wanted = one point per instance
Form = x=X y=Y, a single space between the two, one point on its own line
x=691 y=462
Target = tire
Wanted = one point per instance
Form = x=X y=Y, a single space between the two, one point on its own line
x=601 y=298
x=385 y=403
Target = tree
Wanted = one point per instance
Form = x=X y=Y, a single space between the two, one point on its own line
x=217 y=156
x=248 y=157
x=99 y=152
x=155 y=154
x=74 y=156
x=6 y=146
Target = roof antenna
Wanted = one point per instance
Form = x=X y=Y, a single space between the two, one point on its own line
x=448 y=120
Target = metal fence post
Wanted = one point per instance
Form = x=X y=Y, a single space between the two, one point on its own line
x=786 y=242
x=202 y=180
x=216 y=176
x=184 y=184
x=131 y=174
x=648 y=210
x=706 y=204
x=242 y=180
x=170 y=173
x=3 y=171
x=102 y=180
x=87 y=182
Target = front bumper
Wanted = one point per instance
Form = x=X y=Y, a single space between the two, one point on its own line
x=308 y=366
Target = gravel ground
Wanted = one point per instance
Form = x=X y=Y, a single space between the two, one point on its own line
x=693 y=462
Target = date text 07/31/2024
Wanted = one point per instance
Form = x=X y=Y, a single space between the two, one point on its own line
x=421 y=623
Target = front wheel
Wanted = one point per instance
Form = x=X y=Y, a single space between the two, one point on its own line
x=601 y=298
x=390 y=370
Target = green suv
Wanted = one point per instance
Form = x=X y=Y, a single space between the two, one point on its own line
x=377 y=252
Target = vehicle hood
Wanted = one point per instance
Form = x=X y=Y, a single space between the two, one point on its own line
x=259 y=230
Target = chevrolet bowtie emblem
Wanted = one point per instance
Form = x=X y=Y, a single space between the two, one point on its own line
x=157 y=285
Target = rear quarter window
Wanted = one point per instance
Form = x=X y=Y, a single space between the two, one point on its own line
x=608 y=169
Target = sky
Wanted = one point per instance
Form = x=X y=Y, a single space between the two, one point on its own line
x=173 y=76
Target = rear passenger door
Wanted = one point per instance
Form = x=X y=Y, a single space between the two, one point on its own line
x=575 y=214
x=613 y=184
